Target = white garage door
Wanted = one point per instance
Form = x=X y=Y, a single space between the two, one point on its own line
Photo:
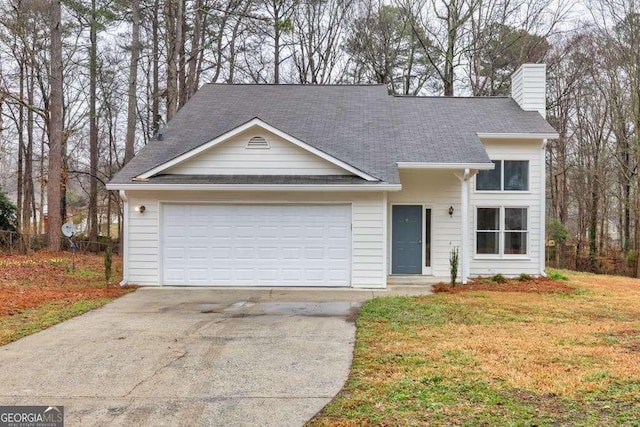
x=256 y=245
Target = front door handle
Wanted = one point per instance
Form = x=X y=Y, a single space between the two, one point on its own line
x=420 y=241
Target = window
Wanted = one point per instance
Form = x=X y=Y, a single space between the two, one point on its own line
x=490 y=180
x=501 y=231
x=508 y=175
x=488 y=236
x=258 y=142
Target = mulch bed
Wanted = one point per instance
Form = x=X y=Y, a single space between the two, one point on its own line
x=538 y=285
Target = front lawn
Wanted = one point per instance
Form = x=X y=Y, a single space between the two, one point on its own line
x=497 y=358
x=37 y=291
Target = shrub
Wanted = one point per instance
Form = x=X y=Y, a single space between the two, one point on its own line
x=8 y=213
x=631 y=258
x=107 y=264
x=453 y=263
x=498 y=278
x=523 y=277
x=556 y=230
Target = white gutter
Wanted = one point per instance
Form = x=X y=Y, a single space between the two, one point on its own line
x=550 y=135
x=430 y=165
x=125 y=242
x=258 y=187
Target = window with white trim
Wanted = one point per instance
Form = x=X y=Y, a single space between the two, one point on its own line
x=502 y=230
x=258 y=142
x=508 y=175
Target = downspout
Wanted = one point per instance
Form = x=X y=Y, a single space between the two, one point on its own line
x=464 y=264
x=125 y=241
x=543 y=208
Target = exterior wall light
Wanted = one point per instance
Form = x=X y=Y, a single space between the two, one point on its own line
x=140 y=209
x=450 y=210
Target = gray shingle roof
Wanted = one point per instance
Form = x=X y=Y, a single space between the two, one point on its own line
x=360 y=125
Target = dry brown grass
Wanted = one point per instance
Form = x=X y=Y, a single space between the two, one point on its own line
x=544 y=354
x=559 y=347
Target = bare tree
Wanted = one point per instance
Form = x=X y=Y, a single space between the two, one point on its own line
x=384 y=49
x=443 y=24
x=54 y=241
x=132 y=98
x=317 y=34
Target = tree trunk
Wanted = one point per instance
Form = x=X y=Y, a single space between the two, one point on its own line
x=54 y=241
x=133 y=82
x=155 y=53
x=192 y=62
x=182 y=77
x=93 y=129
x=43 y=186
x=21 y=150
x=172 y=58
x=593 y=226
x=276 y=42
x=28 y=200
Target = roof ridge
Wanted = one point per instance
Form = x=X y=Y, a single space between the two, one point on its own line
x=341 y=85
x=450 y=97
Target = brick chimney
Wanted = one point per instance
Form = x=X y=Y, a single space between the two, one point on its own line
x=528 y=87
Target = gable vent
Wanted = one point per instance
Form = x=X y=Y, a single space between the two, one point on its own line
x=257 y=142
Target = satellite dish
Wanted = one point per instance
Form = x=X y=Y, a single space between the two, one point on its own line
x=68 y=229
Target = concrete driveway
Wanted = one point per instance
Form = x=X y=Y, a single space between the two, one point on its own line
x=191 y=357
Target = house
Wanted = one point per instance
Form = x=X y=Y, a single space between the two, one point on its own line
x=301 y=185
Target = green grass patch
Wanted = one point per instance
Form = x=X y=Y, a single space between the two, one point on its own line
x=557 y=275
x=35 y=320
x=85 y=273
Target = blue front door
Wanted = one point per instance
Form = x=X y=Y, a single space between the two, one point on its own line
x=406 y=245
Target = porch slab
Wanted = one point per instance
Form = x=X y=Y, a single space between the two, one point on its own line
x=414 y=280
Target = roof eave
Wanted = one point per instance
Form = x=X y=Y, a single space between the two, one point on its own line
x=518 y=135
x=434 y=165
x=255 y=187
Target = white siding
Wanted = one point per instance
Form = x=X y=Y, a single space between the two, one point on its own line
x=530 y=264
x=438 y=190
x=143 y=240
x=528 y=87
x=233 y=158
x=367 y=228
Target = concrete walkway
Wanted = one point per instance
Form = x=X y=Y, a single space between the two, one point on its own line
x=190 y=357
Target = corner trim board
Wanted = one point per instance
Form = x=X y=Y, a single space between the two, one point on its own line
x=125 y=241
x=543 y=210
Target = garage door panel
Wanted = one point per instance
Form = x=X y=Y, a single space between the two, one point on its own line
x=220 y=252
x=175 y=274
x=312 y=253
x=290 y=253
x=270 y=245
x=268 y=254
x=338 y=275
x=222 y=273
x=337 y=253
x=198 y=274
x=176 y=253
